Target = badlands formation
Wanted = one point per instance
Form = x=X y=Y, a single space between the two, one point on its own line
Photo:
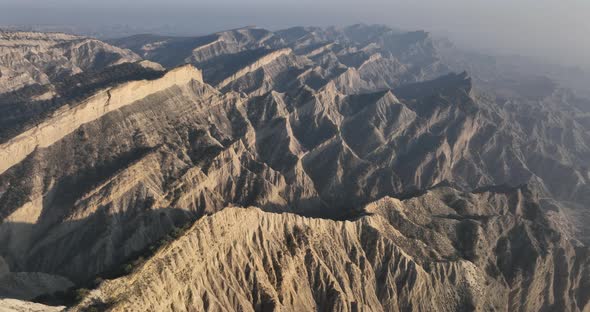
x=67 y=120
x=427 y=253
x=29 y=58
x=379 y=176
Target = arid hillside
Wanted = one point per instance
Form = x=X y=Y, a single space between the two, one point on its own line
x=383 y=178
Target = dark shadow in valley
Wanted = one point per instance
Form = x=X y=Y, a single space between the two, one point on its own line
x=102 y=246
x=19 y=110
x=171 y=52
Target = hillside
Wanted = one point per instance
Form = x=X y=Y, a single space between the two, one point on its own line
x=362 y=137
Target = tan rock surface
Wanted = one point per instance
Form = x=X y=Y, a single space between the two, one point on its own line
x=346 y=117
x=37 y=58
x=13 y=305
x=249 y=260
x=66 y=120
x=266 y=59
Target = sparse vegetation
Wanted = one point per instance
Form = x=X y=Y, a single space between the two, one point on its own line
x=140 y=257
x=75 y=294
x=81 y=293
x=296 y=239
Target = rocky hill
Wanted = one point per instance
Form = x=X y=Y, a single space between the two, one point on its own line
x=442 y=251
x=321 y=129
x=29 y=58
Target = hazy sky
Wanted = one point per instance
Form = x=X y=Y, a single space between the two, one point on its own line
x=556 y=30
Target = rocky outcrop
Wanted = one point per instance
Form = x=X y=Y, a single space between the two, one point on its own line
x=68 y=119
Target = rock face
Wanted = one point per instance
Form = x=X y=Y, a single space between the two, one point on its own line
x=174 y=51
x=384 y=59
x=302 y=123
x=28 y=58
x=442 y=251
x=67 y=120
x=261 y=62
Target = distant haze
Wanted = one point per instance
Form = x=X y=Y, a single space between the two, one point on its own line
x=551 y=30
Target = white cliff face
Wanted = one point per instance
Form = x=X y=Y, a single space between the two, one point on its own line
x=68 y=119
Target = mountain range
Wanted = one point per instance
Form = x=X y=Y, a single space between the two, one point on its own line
x=336 y=169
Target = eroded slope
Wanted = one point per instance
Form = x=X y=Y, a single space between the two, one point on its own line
x=443 y=251
x=28 y=58
x=317 y=122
